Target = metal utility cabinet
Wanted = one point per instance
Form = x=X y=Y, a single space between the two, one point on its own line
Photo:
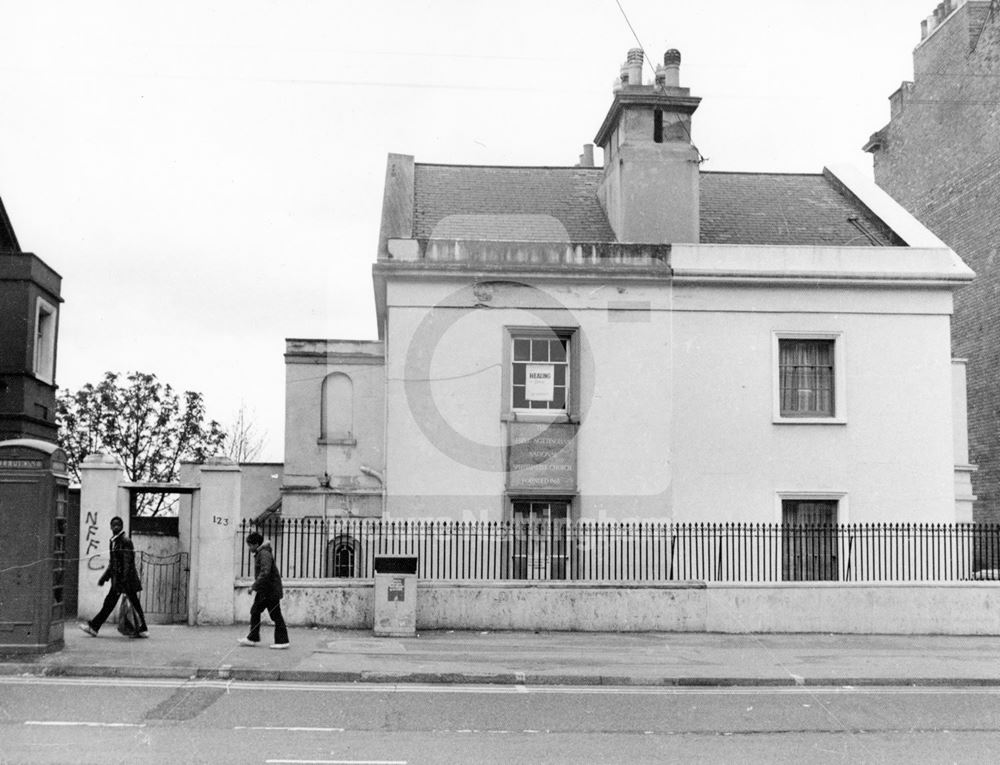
x=395 y=596
x=34 y=490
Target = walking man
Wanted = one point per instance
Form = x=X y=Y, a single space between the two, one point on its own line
x=267 y=592
x=124 y=578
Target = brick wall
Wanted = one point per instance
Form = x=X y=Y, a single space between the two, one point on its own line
x=940 y=158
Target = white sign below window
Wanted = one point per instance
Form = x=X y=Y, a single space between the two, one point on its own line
x=539 y=382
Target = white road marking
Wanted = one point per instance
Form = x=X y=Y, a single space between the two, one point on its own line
x=116 y=682
x=78 y=723
x=290 y=728
x=338 y=762
x=472 y=730
x=604 y=690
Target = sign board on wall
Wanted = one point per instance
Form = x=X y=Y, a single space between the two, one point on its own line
x=539 y=382
x=541 y=457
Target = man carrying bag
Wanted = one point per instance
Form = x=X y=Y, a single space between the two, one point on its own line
x=125 y=582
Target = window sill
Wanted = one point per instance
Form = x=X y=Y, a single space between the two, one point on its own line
x=809 y=421
x=337 y=441
x=538 y=417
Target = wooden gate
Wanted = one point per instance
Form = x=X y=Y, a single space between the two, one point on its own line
x=164 y=587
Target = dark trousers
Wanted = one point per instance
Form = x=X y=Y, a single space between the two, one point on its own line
x=110 y=601
x=273 y=607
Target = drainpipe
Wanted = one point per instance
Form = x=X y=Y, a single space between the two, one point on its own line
x=373 y=473
x=385 y=410
x=378 y=477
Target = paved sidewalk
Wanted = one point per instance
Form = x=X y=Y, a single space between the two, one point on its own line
x=546 y=658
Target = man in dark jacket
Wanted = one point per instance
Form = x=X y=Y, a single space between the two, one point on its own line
x=124 y=578
x=267 y=592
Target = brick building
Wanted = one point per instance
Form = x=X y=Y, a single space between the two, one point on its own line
x=29 y=322
x=939 y=156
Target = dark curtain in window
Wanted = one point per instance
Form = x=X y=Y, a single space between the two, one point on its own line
x=806 y=370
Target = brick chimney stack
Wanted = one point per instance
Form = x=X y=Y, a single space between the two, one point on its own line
x=941 y=13
x=650 y=185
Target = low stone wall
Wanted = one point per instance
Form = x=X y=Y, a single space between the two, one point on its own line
x=316 y=602
x=962 y=608
x=678 y=607
x=914 y=608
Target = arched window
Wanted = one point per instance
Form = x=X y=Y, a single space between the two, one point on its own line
x=337 y=408
x=341 y=557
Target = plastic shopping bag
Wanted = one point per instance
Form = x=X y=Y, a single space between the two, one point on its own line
x=128 y=624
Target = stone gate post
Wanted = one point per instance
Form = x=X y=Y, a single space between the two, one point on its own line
x=101 y=499
x=215 y=516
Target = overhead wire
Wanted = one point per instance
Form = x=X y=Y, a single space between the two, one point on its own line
x=701 y=157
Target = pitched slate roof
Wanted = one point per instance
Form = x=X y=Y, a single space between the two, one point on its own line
x=784 y=209
x=531 y=204
x=561 y=204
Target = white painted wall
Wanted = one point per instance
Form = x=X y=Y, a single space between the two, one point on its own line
x=432 y=473
x=260 y=486
x=677 y=416
x=307 y=459
x=101 y=499
x=215 y=519
x=892 y=458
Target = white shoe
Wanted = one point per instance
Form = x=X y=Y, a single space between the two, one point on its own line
x=279 y=646
x=87 y=628
x=247 y=642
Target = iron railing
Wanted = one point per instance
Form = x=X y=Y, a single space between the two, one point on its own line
x=635 y=551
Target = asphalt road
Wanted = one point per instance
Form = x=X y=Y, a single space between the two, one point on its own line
x=63 y=720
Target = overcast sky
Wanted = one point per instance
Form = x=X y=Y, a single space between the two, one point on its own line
x=207 y=176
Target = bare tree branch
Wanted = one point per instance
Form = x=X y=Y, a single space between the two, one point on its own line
x=243 y=442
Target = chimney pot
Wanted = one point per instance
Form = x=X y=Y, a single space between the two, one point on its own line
x=621 y=80
x=649 y=158
x=671 y=68
x=633 y=64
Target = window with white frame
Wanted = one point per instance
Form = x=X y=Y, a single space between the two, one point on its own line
x=540 y=370
x=45 y=341
x=809 y=377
